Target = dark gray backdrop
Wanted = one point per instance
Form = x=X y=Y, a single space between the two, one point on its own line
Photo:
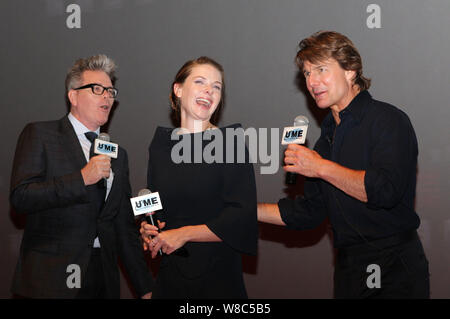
x=256 y=41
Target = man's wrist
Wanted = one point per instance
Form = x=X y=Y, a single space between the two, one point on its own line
x=324 y=169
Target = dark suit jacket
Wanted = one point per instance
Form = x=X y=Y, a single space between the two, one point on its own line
x=62 y=221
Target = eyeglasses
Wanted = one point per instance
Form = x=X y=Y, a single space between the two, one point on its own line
x=98 y=89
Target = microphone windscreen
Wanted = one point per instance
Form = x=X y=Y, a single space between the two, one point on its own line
x=301 y=120
x=144 y=191
x=104 y=137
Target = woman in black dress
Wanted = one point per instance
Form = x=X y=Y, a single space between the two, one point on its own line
x=208 y=194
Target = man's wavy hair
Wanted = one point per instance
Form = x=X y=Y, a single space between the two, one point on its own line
x=98 y=62
x=323 y=45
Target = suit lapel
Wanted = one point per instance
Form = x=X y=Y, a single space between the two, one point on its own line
x=73 y=147
x=72 y=143
x=116 y=170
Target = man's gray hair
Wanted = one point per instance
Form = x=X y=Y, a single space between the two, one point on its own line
x=98 y=62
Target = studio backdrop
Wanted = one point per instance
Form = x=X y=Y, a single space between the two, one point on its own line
x=405 y=49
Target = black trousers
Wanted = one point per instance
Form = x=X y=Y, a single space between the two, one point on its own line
x=93 y=283
x=394 y=267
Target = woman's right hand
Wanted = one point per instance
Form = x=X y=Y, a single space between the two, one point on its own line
x=148 y=231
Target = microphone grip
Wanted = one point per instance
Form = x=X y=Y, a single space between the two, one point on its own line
x=291 y=178
x=149 y=219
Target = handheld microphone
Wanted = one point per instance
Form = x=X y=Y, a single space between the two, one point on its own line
x=148 y=216
x=105 y=147
x=295 y=135
x=100 y=148
x=146 y=203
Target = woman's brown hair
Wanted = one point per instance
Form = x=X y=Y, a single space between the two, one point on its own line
x=181 y=76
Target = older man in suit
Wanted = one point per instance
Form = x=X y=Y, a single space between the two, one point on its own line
x=78 y=213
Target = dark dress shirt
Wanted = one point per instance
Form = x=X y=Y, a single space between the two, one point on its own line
x=379 y=139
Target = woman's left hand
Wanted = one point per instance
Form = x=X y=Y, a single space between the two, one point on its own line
x=168 y=241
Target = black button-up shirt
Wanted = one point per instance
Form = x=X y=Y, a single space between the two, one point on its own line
x=375 y=137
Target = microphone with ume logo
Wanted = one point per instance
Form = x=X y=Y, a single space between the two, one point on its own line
x=295 y=135
x=148 y=216
x=104 y=137
x=105 y=147
x=147 y=203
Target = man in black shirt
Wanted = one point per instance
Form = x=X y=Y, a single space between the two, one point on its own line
x=361 y=175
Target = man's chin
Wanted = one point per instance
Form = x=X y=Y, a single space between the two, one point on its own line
x=322 y=105
x=103 y=122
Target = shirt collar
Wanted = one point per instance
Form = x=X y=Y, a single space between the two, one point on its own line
x=79 y=127
x=356 y=108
